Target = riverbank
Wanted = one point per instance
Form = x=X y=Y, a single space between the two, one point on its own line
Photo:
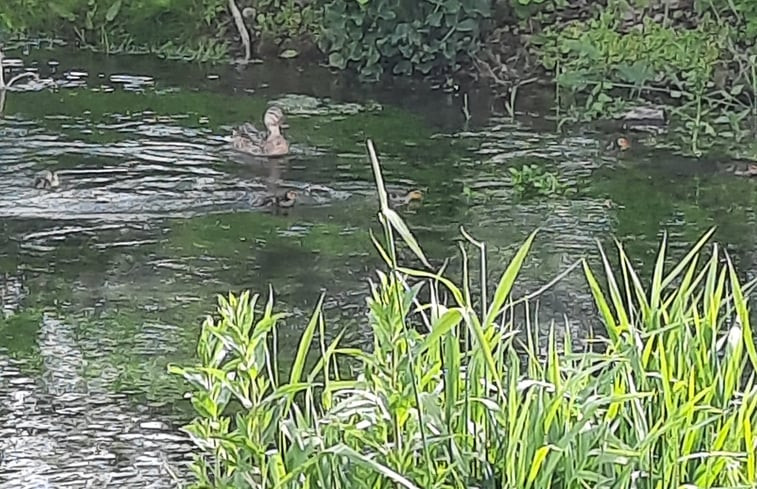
x=673 y=74
x=108 y=278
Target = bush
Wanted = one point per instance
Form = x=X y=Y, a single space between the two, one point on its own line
x=404 y=36
x=668 y=400
x=704 y=81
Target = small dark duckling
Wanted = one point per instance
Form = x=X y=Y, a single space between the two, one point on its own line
x=47 y=180
x=398 y=199
x=742 y=169
x=285 y=201
x=619 y=144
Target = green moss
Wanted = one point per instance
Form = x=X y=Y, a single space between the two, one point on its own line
x=19 y=334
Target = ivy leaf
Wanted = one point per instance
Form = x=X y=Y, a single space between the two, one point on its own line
x=467 y=25
x=337 y=60
x=289 y=54
x=435 y=19
x=404 y=67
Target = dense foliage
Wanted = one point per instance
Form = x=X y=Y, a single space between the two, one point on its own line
x=456 y=394
x=705 y=75
x=406 y=36
x=696 y=58
x=166 y=26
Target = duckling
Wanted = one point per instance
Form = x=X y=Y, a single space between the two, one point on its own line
x=285 y=201
x=47 y=179
x=621 y=144
x=248 y=139
x=742 y=169
x=398 y=199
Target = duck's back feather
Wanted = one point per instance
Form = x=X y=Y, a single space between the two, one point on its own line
x=249 y=131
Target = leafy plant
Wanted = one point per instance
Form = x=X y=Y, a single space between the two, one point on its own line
x=119 y=25
x=452 y=397
x=404 y=36
x=531 y=180
x=600 y=70
x=285 y=19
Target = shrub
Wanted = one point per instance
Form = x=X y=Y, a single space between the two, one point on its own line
x=444 y=399
x=404 y=36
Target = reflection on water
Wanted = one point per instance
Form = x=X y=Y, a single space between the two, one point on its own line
x=106 y=278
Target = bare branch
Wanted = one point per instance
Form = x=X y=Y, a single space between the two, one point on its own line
x=239 y=21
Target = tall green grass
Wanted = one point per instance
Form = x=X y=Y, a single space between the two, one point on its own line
x=447 y=399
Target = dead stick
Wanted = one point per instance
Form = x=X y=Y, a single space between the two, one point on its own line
x=2 y=72
x=239 y=21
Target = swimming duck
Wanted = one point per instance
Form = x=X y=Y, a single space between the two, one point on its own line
x=46 y=179
x=397 y=199
x=248 y=139
x=284 y=201
x=741 y=168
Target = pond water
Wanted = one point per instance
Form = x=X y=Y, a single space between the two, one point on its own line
x=106 y=279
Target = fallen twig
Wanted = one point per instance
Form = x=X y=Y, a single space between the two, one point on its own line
x=239 y=21
x=4 y=86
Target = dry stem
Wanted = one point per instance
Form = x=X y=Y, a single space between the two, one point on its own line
x=239 y=21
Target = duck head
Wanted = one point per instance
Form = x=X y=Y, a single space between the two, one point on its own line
x=274 y=120
x=621 y=143
x=414 y=195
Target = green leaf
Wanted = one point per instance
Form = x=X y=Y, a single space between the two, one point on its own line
x=337 y=60
x=112 y=12
x=62 y=12
x=289 y=54
x=467 y=25
x=399 y=225
x=507 y=280
x=441 y=328
x=306 y=341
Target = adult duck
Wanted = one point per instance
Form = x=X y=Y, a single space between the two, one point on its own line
x=248 y=139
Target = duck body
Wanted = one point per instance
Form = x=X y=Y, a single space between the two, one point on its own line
x=46 y=180
x=249 y=139
x=619 y=144
x=741 y=168
x=285 y=201
x=404 y=198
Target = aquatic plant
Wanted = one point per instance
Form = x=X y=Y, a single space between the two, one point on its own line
x=533 y=180
x=464 y=392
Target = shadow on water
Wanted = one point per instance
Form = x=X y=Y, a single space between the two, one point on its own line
x=106 y=278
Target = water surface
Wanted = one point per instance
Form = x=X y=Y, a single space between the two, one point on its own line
x=107 y=278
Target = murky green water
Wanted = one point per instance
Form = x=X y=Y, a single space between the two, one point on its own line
x=107 y=278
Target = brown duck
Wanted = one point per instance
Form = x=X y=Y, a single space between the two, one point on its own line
x=283 y=201
x=248 y=139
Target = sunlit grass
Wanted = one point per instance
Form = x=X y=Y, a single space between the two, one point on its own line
x=665 y=397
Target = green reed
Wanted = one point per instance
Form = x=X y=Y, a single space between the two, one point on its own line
x=455 y=392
